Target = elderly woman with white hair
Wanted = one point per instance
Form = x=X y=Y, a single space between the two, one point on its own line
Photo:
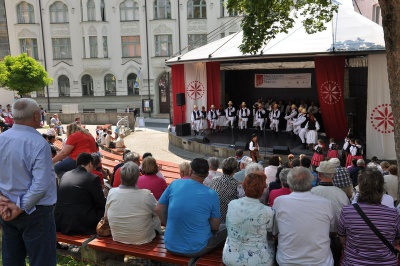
x=130 y=210
x=213 y=164
x=184 y=170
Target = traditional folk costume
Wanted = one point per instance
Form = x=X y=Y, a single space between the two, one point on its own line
x=345 y=150
x=244 y=114
x=312 y=133
x=213 y=118
x=318 y=155
x=356 y=152
x=260 y=115
x=254 y=150
x=196 y=119
x=274 y=117
x=333 y=150
x=222 y=121
x=230 y=114
x=291 y=118
x=203 y=123
x=302 y=122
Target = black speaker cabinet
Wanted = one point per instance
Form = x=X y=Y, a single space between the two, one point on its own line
x=284 y=150
x=183 y=129
x=180 y=99
x=202 y=139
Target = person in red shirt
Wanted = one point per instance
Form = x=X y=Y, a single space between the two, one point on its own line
x=284 y=190
x=149 y=180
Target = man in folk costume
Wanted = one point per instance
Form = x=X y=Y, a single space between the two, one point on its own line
x=244 y=116
x=230 y=114
x=291 y=118
x=196 y=119
x=254 y=148
x=260 y=115
x=302 y=121
x=274 y=117
x=212 y=116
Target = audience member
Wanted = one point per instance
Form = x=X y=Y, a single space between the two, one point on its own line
x=306 y=163
x=284 y=190
x=248 y=222
x=270 y=170
x=277 y=183
x=147 y=154
x=361 y=245
x=97 y=170
x=213 y=163
x=226 y=186
x=128 y=157
x=239 y=176
x=149 y=180
x=385 y=167
x=130 y=210
x=295 y=162
x=184 y=170
x=288 y=164
x=238 y=156
x=353 y=165
x=304 y=221
x=80 y=199
x=119 y=143
x=342 y=178
x=191 y=214
x=354 y=172
x=391 y=185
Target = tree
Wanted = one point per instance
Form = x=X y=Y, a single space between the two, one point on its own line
x=264 y=19
x=23 y=74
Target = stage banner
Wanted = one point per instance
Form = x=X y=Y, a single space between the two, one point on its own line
x=213 y=84
x=380 y=123
x=195 y=86
x=178 y=86
x=330 y=78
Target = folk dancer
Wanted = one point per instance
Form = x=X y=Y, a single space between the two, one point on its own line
x=203 y=123
x=213 y=118
x=291 y=117
x=296 y=128
x=312 y=132
x=254 y=148
x=260 y=115
x=356 y=151
x=244 y=116
x=333 y=149
x=346 y=149
x=196 y=119
x=318 y=156
x=302 y=121
x=230 y=114
x=222 y=121
x=274 y=117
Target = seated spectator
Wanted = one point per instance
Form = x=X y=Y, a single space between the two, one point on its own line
x=354 y=172
x=213 y=163
x=361 y=245
x=184 y=170
x=353 y=165
x=97 y=170
x=128 y=157
x=284 y=190
x=191 y=213
x=226 y=186
x=51 y=131
x=302 y=223
x=78 y=140
x=80 y=200
x=51 y=139
x=147 y=154
x=277 y=183
x=149 y=180
x=306 y=163
x=295 y=162
x=391 y=185
x=270 y=170
x=238 y=156
x=130 y=210
x=119 y=143
x=248 y=222
x=109 y=140
x=385 y=167
x=342 y=178
x=239 y=176
x=3 y=124
x=103 y=136
x=288 y=164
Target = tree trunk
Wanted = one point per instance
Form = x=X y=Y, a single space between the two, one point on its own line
x=391 y=24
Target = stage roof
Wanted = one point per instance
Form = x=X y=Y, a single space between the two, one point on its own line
x=347 y=33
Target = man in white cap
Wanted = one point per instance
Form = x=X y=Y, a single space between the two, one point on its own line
x=196 y=119
x=230 y=114
x=260 y=116
x=212 y=116
x=274 y=117
x=244 y=116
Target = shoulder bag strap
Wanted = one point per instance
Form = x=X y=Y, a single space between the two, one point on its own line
x=375 y=230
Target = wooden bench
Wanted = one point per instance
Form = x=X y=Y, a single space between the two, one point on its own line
x=109 y=163
x=214 y=258
x=154 y=250
x=77 y=240
x=110 y=156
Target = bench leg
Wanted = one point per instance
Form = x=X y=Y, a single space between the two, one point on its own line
x=99 y=257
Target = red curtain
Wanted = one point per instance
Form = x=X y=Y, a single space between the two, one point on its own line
x=178 y=86
x=330 y=79
x=213 y=84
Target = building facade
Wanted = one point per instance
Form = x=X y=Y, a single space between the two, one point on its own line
x=369 y=9
x=107 y=55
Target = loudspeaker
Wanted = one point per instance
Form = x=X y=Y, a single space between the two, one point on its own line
x=202 y=139
x=350 y=105
x=180 y=99
x=240 y=145
x=183 y=129
x=284 y=150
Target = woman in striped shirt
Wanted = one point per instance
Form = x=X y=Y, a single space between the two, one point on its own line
x=361 y=245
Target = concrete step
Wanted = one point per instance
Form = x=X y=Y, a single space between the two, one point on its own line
x=156 y=120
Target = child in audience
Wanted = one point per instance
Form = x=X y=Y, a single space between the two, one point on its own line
x=318 y=153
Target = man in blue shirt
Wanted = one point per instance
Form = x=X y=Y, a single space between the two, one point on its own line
x=28 y=190
x=191 y=214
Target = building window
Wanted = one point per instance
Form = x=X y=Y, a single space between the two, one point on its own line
x=29 y=46
x=61 y=48
x=197 y=9
x=63 y=85
x=110 y=85
x=91 y=10
x=58 y=13
x=87 y=85
x=84 y=47
x=103 y=10
x=222 y=9
x=132 y=90
x=233 y=13
x=196 y=40
x=376 y=14
x=162 y=9
x=105 y=47
x=40 y=93
x=25 y=13
x=131 y=46
x=129 y=10
x=93 y=46
x=163 y=45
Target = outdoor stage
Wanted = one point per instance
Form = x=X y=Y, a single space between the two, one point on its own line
x=224 y=144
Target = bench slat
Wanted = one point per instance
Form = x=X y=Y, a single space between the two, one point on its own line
x=77 y=240
x=214 y=258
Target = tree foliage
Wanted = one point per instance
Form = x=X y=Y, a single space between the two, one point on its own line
x=23 y=74
x=264 y=19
